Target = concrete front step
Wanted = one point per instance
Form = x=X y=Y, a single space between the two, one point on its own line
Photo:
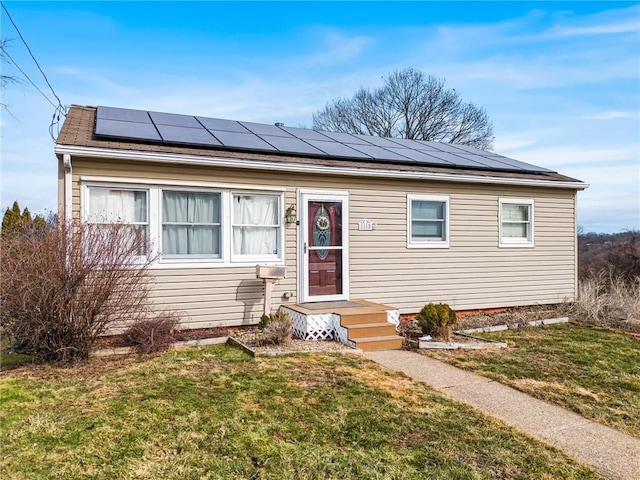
x=346 y=320
x=377 y=329
x=382 y=342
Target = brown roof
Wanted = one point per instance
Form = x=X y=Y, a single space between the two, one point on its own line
x=79 y=125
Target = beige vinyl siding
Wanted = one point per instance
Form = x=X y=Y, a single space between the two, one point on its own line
x=472 y=273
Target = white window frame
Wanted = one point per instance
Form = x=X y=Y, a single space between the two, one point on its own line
x=154 y=188
x=278 y=257
x=85 y=212
x=190 y=258
x=510 y=242
x=428 y=243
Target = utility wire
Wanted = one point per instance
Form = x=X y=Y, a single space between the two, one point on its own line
x=4 y=52
x=34 y=59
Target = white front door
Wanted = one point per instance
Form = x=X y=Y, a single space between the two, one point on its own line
x=323 y=246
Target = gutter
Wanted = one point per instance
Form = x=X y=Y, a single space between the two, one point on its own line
x=108 y=153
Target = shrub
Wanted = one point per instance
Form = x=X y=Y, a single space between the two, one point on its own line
x=264 y=321
x=153 y=335
x=63 y=288
x=279 y=329
x=437 y=320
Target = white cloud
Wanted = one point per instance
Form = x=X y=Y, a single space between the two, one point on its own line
x=572 y=155
x=611 y=22
x=337 y=48
x=613 y=115
x=514 y=141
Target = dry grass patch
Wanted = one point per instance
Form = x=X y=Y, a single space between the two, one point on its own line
x=606 y=300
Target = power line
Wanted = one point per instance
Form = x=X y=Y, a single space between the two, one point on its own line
x=4 y=51
x=34 y=59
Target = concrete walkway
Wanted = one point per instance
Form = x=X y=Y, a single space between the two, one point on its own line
x=608 y=451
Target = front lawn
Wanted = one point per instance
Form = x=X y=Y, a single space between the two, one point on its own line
x=593 y=372
x=217 y=413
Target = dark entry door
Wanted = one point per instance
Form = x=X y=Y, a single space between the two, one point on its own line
x=325 y=248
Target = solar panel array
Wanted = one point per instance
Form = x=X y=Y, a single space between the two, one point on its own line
x=173 y=129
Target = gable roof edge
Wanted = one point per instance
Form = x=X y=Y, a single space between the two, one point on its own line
x=96 y=152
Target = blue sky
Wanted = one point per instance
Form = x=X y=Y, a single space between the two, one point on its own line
x=560 y=80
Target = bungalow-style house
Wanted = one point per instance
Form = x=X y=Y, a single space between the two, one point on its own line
x=354 y=219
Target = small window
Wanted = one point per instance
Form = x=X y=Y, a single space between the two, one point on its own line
x=190 y=224
x=256 y=225
x=108 y=206
x=428 y=225
x=516 y=222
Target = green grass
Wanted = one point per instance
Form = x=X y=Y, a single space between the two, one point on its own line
x=593 y=372
x=217 y=413
x=10 y=359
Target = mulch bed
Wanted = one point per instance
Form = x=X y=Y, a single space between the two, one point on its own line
x=254 y=339
x=113 y=341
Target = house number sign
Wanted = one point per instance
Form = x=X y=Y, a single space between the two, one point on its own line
x=365 y=225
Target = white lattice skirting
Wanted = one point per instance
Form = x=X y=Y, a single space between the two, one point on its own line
x=326 y=326
x=311 y=327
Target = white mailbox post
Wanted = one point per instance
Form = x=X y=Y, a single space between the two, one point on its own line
x=269 y=274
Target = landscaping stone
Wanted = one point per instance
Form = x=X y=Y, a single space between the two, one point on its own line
x=533 y=323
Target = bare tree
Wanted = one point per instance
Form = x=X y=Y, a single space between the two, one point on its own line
x=5 y=80
x=410 y=105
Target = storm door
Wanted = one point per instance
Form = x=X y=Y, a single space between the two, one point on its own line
x=324 y=231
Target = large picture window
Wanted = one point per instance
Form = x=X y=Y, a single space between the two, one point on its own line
x=186 y=225
x=516 y=222
x=190 y=224
x=255 y=224
x=119 y=205
x=428 y=221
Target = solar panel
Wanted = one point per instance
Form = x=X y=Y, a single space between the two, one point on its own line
x=220 y=124
x=413 y=144
x=443 y=147
x=490 y=162
x=132 y=130
x=338 y=149
x=379 y=141
x=306 y=133
x=245 y=141
x=291 y=145
x=473 y=150
x=420 y=157
x=456 y=160
x=381 y=154
x=174 y=120
x=264 y=129
x=196 y=136
x=345 y=138
x=218 y=133
x=123 y=114
x=521 y=165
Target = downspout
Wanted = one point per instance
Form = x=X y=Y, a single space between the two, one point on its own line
x=68 y=199
x=576 y=266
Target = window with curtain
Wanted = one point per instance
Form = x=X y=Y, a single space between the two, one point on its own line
x=516 y=222
x=191 y=224
x=116 y=205
x=256 y=224
x=428 y=220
